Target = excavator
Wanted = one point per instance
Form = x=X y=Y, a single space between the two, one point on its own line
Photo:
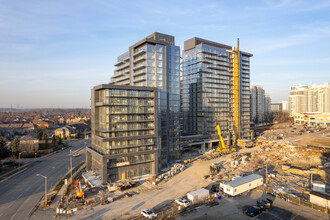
x=223 y=148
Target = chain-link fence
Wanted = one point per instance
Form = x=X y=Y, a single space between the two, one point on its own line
x=296 y=200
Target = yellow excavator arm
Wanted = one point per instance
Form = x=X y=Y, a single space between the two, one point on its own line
x=223 y=146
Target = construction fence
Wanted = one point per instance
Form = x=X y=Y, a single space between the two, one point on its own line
x=296 y=200
x=176 y=210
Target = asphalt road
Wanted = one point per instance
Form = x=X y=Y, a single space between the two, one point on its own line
x=20 y=193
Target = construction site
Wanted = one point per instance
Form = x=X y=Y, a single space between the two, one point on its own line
x=287 y=168
x=285 y=160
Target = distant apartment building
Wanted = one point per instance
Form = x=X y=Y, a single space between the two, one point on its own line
x=260 y=104
x=315 y=98
x=276 y=107
x=215 y=90
x=155 y=62
x=279 y=106
x=125 y=138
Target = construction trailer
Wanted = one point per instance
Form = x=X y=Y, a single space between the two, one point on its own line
x=198 y=195
x=319 y=198
x=241 y=185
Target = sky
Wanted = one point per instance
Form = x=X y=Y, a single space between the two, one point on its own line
x=52 y=53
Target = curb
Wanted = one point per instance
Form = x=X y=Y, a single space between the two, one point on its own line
x=35 y=207
x=15 y=172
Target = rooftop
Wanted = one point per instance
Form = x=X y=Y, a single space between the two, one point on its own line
x=322 y=195
x=244 y=180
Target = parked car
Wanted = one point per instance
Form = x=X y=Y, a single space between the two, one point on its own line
x=9 y=163
x=215 y=188
x=76 y=154
x=182 y=202
x=253 y=211
x=148 y=213
x=265 y=203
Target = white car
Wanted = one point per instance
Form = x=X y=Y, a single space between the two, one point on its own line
x=76 y=154
x=148 y=213
x=182 y=202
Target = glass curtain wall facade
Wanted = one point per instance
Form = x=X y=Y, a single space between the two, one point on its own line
x=155 y=62
x=207 y=90
x=124 y=132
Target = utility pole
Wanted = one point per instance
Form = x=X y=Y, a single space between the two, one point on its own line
x=266 y=172
x=19 y=158
x=45 y=177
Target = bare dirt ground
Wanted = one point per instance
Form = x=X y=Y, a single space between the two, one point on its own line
x=316 y=141
x=177 y=187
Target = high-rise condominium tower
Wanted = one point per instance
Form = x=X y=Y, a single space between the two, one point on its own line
x=315 y=98
x=260 y=104
x=155 y=62
x=215 y=90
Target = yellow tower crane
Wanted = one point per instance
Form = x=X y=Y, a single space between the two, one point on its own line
x=236 y=92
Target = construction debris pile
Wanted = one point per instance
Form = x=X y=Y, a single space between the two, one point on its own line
x=289 y=168
x=175 y=169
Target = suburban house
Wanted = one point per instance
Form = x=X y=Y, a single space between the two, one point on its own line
x=29 y=144
x=65 y=132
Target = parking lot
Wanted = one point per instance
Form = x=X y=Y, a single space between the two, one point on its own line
x=234 y=208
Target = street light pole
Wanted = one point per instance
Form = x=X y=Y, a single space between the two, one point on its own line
x=71 y=167
x=19 y=158
x=45 y=177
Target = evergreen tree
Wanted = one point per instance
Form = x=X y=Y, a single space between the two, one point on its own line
x=14 y=145
x=59 y=140
x=53 y=140
x=4 y=152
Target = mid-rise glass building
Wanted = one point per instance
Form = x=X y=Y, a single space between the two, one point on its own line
x=125 y=138
x=209 y=96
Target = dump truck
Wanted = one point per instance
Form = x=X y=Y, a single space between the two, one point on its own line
x=126 y=185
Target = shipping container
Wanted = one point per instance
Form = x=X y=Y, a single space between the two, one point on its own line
x=198 y=195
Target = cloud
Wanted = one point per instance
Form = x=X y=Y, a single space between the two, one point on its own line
x=309 y=34
x=273 y=62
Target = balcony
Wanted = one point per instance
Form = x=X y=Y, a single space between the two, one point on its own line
x=140 y=51
x=217 y=68
x=139 y=66
x=138 y=79
x=120 y=78
x=140 y=72
x=125 y=65
x=141 y=58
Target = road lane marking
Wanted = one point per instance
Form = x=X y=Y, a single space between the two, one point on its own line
x=19 y=196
